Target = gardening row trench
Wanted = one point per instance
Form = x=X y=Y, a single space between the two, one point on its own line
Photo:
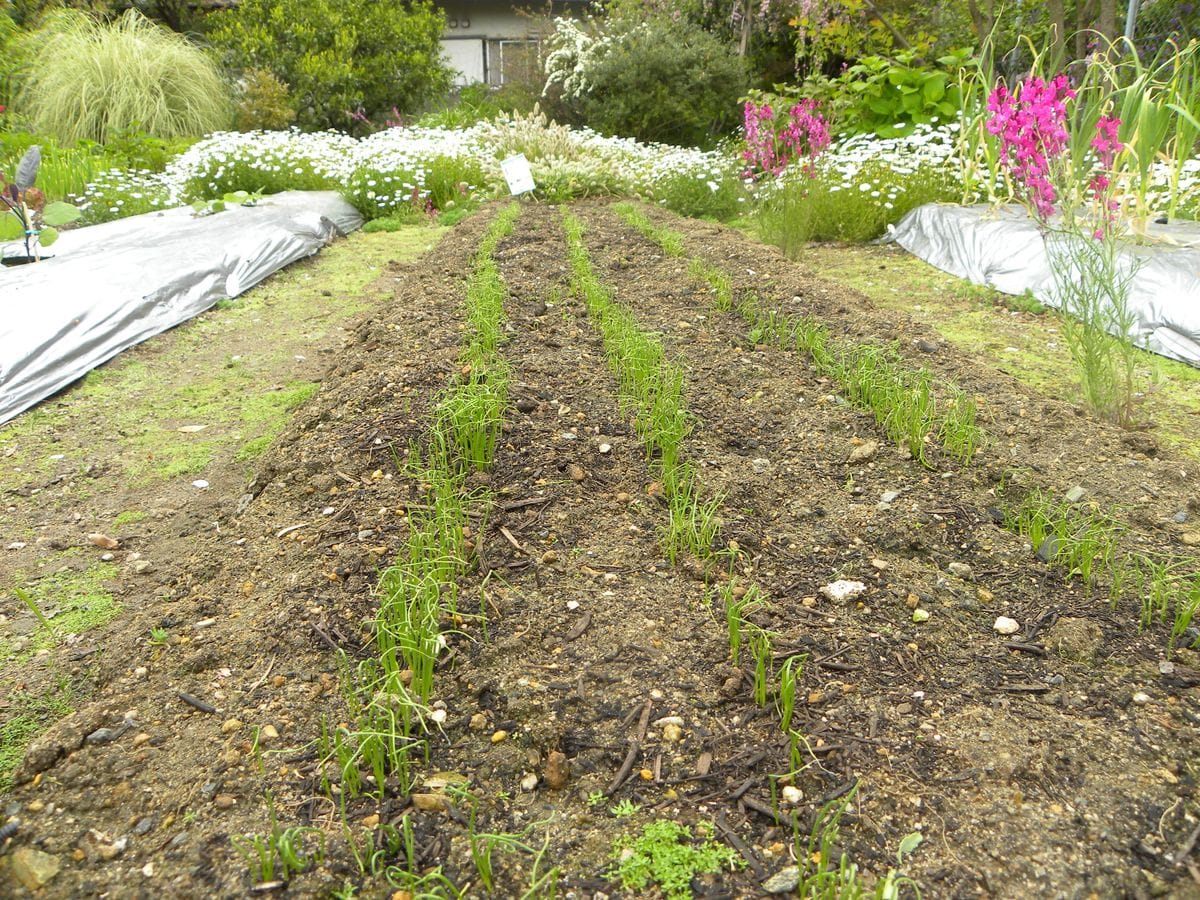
x=588 y=669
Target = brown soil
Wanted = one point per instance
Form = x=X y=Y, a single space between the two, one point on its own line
x=1029 y=773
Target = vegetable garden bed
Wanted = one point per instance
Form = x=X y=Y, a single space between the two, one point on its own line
x=585 y=685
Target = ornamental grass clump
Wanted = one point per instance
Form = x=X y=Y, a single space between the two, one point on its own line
x=90 y=79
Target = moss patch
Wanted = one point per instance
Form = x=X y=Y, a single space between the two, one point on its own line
x=128 y=517
x=29 y=716
x=74 y=601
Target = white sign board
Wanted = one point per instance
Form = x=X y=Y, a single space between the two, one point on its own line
x=517 y=174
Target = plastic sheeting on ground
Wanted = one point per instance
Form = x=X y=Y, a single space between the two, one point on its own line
x=114 y=285
x=1005 y=249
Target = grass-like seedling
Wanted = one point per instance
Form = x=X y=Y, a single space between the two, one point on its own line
x=900 y=400
x=789 y=678
x=737 y=603
x=671 y=241
x=959 y=434
x=692 y=524
x=471 y=414
x=822 y=877
x=760 y=650
x=32 y=604
x=1185 y=612
x=386 y=694
x=1082 y=540
x=1088 y=543
x=281 y=852
x=653 y=390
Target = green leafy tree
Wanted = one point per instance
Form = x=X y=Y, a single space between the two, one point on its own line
x=658 y=80
x=342 y=59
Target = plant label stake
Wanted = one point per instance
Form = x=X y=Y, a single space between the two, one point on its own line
x=518 y=174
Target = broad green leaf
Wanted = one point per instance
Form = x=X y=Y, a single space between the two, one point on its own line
x=934 y=87
x=47 y=236
x=10 y=227
x=218 y=206
x=199 y=206
x=59 y=213
x=908 y=844
x=237 y=196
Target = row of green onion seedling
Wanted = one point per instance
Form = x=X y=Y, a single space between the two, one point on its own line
x=388 y=693
x=873 y=377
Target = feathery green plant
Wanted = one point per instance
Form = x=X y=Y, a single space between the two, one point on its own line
x=92 y=78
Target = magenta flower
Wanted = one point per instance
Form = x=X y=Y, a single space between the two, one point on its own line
x=770 y=149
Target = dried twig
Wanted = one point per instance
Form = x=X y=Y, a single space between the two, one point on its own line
x=579 y=629
x=196 y=702
x=635 y=746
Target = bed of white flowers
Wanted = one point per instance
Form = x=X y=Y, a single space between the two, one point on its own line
x=400 y=169
x=393 y=169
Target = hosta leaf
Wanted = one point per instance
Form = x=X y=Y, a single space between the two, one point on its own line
x=59 y=213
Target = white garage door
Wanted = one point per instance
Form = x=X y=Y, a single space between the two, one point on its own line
x=465 y=56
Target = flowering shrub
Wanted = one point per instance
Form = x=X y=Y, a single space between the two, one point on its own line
x=769 y=150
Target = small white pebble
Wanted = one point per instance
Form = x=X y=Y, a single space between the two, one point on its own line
x=1005 y=625
x=1141 y=697
x=200 y=483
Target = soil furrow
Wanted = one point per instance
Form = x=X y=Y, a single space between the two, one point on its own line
x=1057 y=736
x=1054 y=762
x=597 y=626
x=251 y=620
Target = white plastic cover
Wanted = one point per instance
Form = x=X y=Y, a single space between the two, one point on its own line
x=1005 y=249
x=114 y=285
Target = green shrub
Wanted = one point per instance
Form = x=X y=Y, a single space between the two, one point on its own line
x=380 y=194
x=395 y=222
x=247 y=171
x=344 y=60
x=264 y=103
x=657 y=80
x=115 y=195
x=702 y=196
x=91 y=78
x=891 y=96
x=132 y=148
x=480 y=103
x=444 y=182
x=453 y=180
x=831 y=207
